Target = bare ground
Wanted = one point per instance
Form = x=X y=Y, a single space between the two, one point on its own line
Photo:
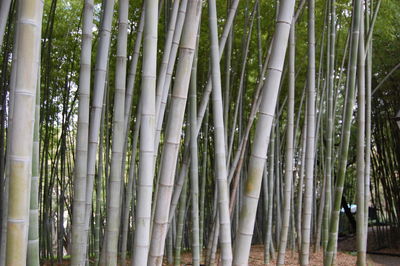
x=345 y=256
x=257 y=258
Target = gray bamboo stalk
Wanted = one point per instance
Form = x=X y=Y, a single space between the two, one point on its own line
x=203 y=183
x=222 y=42
x=115 y=180
x=194 y=171
x=322 y=199
x=22 y=131
x=360 y=236
x=130 y=84
x=220 y=157
x=180 y=225
x=262 y=134
x=173 y=131
x=240 y=89
x=99 y=186
x=368 y=86
x=107 y=125
x=301 y=182
x=289 y=150
x=259 y=41
x=129 y=188
x=214 y=242
x=4 y=203
x=265 y=214
x=228 y=70
x=181 y=178
x=238 y=158
x=78 y=216
x=239 y=106
x=310 y=150
x=170 y=256
x=212 y=231
x=201 y=111
x=329 y=130
x=268 y=187
x=33 y=236
x=321 y=91
x=168 y=47
x=147 y=131
x=344 y=144
x=278 y=179
x=99 y=85
x=165 y=81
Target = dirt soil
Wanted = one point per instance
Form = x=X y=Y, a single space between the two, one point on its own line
x=348 y=244
x=257 y=258
x=346 y=256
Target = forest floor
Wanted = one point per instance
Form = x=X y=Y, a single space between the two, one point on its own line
x=347 y=255
x=383 y=256
x=344 y=257
x=257 y=258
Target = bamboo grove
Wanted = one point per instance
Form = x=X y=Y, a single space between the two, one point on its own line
x=142 y=132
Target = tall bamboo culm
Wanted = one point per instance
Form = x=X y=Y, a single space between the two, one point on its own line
x=345 y=138
x=99 y=85
x=173 y=131
x=33 y=257
x=289 y=150
x=262 y=134
x=310 y=150
x=361 y=230
x=115 y=180
x=21 y=141
x=147 y=132
x=78 y=222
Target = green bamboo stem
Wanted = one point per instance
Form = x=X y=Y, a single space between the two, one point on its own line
x=344 y=145
x=361 y=231
x=329 y=130
x=368 y=108
x=268 y=179
x=33 y=235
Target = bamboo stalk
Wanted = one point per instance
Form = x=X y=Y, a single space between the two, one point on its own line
x=289 y=150
x=262 y=135
x=22 y=131
x=147 y=133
